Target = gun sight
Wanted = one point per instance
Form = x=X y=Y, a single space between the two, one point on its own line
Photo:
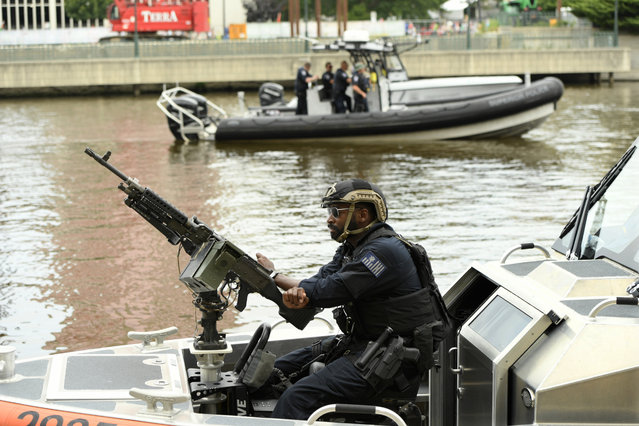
x=104 y=161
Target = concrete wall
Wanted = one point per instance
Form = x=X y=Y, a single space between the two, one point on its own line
x=487 y=62
x=238 y=71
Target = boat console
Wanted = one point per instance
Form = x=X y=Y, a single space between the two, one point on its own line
x=549 y=340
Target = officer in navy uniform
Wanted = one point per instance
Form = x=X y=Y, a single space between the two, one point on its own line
x=327 y=83
x=301 y=84
x=360 y=89
x=341 y=82
x=373 y=277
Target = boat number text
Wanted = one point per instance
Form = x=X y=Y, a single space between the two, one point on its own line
x=59 y=420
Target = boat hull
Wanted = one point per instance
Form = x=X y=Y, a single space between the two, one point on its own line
x=509 y=113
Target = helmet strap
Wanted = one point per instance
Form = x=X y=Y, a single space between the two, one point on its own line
x=347 y=232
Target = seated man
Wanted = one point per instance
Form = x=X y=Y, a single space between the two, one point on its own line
x=374 y=279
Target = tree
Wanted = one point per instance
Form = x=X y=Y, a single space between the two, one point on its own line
x=403 y=9
x=86 y=9
x=264 y=10
x=361 y=9
x=601 y=13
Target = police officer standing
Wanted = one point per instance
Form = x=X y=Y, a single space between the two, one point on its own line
x=327 y=82
x=360 y=88
x=341 y=82
x=301 y=85
x=373 y=277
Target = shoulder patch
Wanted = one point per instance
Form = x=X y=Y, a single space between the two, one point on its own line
x=373 y=264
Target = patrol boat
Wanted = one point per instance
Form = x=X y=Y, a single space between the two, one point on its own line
x=508 y=113
x=417 y=109
x=539 y=337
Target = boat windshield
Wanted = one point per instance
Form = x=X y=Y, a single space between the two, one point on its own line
x=610 y=228
x=393 y=63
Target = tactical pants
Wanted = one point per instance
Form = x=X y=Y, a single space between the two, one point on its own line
x=342 y=103
x=338 y=382
x=302 y=106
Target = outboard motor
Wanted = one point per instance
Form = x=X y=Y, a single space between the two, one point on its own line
x=194 y=104
x=271 y=94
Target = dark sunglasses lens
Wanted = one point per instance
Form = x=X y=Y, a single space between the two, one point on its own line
x=333 y=212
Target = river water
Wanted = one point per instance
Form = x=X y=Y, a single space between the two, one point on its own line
x=79 y=269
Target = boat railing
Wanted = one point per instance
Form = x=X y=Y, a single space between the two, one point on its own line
x=577 y=39
x=628 y=300
x=524 y=246
x=364 y=410
x=168 y=96
x=330 y=326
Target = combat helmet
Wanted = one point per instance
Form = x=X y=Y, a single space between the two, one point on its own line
x=354 y=191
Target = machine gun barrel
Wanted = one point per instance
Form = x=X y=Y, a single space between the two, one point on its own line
x=215 y=261
x=104 y=161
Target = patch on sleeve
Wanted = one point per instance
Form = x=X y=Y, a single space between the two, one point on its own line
x=373 y=264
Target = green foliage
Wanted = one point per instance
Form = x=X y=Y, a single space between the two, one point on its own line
x=548 y=5
x=403 y=9
x=489 y=26
x=358 y=12
x=86 y=9
x=601 y=13
x=361 y=9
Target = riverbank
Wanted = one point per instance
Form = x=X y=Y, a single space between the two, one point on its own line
x=105 y=68
x=630 y=42
x=139 y=75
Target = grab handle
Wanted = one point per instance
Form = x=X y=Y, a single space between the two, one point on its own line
x=524 y=246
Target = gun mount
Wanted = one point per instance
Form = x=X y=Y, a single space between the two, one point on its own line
x=217 y=271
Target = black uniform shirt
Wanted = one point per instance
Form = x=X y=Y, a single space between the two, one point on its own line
x=360 y=81
x=326 y=81
x=300 y=82
x=340 y=82
x=383 y=268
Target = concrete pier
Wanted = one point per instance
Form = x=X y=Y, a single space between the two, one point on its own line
x=147 y=74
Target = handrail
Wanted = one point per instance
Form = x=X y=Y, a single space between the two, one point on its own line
x=524 y=246
x=612 y=301
x=168 y=97
x=355 y=409
x=219 y=48
x=324 y=320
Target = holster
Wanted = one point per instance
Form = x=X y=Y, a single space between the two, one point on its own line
x=343 y=320
x=380 y=368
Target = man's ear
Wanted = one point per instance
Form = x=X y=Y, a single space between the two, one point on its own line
x=363 y=216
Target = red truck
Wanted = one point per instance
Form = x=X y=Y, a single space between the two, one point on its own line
x=155 y=16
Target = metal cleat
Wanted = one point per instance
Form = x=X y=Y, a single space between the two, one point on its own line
x=152 y=340
x=153 y=397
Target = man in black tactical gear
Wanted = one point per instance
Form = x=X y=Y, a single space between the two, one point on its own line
x=374 y=279
x=327 y=83
x=301 y=85
x=340 y=83
x=360 y=88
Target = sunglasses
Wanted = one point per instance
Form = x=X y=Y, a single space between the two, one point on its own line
x=334 y=211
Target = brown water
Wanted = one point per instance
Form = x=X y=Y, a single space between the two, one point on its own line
x=79 y=269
